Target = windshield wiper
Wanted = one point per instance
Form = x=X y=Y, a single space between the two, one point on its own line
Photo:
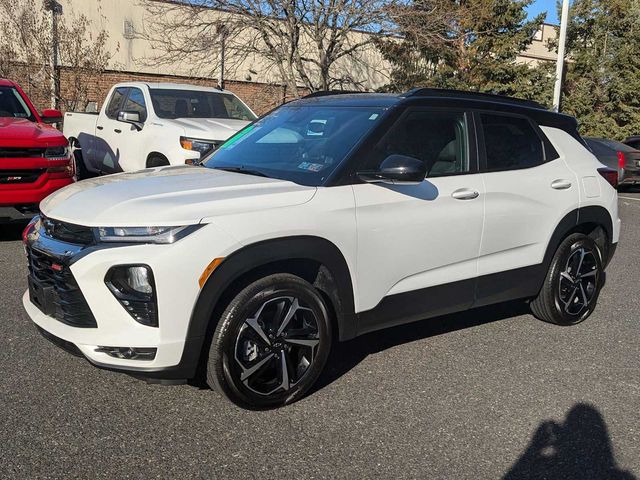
x=246 y=171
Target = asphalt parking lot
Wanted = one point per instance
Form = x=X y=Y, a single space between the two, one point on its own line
x=492 y=393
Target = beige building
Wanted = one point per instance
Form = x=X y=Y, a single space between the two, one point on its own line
x=132 y=44
x=538 y=51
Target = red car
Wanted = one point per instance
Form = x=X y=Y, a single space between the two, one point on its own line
x=35 y=159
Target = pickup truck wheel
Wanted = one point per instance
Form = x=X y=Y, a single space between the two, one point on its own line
x=157 y=161
x=81 y=168
x=571 y=288
x=271 y=343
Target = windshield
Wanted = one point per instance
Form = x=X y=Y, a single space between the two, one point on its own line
x=13 y=105
x=169 y=103
x=301 y=144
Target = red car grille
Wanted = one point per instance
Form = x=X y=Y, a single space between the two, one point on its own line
x=20 y=176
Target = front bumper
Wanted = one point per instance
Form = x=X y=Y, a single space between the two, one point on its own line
x=176 y=269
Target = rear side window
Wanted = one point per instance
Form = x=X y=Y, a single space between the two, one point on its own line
x=116 y=101
x=135 y=103
x=510 y=143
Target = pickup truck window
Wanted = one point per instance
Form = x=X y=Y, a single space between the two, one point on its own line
x=135 y=103
x=301 y=144
x=13 y=105
x=169 y=103
x=116 y=101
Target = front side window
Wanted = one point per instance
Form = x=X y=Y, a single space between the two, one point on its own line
x=135 y=103
x=13 y=105
x=116 y=101
x=303 y=144
x=170 y=103
x=438 y=138
x=510 y=143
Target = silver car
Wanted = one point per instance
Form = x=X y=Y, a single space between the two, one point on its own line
x=618 y=156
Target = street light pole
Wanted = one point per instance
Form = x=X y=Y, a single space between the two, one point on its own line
x=56 y=9
x=564 y=22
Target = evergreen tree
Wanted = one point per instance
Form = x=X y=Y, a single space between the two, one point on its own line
x=602 y=82
x=468 y=45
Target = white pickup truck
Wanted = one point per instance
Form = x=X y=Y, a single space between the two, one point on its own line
x=143 y=125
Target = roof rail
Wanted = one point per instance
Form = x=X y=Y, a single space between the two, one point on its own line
x=324 y=93
x=490 y=97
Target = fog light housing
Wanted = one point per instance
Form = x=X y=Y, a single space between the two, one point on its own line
x=129 y=353
x=134 y=287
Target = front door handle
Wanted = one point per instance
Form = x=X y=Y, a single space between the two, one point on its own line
x=99 y=127
x=117 y=130
x=561 y=184
x=465 y=194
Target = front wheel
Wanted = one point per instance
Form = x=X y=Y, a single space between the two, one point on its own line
x=157 y=161
x=271 y=343
x=571 y=288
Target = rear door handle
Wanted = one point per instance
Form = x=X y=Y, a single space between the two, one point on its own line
x=561 y=184
x=117 y=130
x=99 y=127
x=465 y=194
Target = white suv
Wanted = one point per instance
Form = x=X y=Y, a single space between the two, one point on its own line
x=333 y=216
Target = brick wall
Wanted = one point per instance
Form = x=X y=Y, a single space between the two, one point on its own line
x=260 y=97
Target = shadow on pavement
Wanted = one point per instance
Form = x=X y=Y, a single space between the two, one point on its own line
x=579 y=448
x=346 y=355
x=12 y=231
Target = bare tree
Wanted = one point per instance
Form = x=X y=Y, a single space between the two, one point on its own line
x=313 y=44
x=26 y=45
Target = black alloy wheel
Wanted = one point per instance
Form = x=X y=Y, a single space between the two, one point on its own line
x=271 y=343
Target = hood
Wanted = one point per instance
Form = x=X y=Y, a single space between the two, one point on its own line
x=169 y=196
x=210 y=128
x=20 y=132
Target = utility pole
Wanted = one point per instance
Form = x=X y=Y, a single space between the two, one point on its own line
x=223 y=32
x=564 y=22
x=56 y=9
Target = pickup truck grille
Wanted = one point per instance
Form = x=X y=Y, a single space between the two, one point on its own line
x=68 y=232
x=68 y=304
x=19 y=176
x=10 y=152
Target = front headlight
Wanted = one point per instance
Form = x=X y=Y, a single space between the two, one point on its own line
x=57 y=153
x=197 y=145
x=144 y=234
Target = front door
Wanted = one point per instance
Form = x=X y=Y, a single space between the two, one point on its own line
x=418 y=244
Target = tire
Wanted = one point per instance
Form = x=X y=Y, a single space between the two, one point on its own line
x=157 y=161
x=81 y=169
x=567 y=298
x=254 y=340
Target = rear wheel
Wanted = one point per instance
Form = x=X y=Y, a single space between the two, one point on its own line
x=271 y=343
x=571 y=288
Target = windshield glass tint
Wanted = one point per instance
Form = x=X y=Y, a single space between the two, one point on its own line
x=301 y=144
x=169 y=103
x=13 y=105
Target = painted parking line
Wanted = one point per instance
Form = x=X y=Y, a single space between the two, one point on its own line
x=629 y=198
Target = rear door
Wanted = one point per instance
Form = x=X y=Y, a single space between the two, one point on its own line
x=529 y=189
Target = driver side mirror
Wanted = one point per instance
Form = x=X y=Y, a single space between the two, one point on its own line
x=51 y=116
x=397 y=169
x=130 y=117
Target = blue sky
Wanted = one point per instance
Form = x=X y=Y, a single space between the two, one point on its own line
x=548 y=6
